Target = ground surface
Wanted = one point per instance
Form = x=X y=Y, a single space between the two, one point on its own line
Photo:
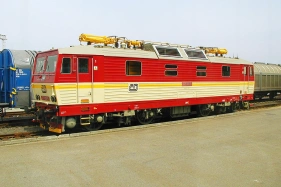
x=243 y=149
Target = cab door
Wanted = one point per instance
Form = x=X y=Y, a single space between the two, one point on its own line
x=84 y=79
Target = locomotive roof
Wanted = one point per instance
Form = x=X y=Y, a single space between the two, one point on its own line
x=151 y=53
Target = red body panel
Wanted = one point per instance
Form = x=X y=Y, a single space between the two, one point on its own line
x=112 y=69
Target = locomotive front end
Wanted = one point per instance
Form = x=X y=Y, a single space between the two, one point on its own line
x=44 y=93
x=63 y=89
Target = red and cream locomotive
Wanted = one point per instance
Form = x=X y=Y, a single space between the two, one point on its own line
x=115 y=79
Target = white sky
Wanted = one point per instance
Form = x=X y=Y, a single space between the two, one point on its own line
x=250 y=29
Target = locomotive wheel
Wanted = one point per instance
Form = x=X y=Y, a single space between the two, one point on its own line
x=93 y=126
x=145 y=116
x=220 y=109
x=203 y=110
x=271 y=96
x=246 y=105
x=234 y=107
x=223 y=110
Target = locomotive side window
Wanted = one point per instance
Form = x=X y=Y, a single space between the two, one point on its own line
x=40 y=64
x=51 y=63
x=83 y=65
x=168 y=51
x=171 y=70
x=195 y=54
x=201 y=71
x=245 y=71
x=251 y=71
x=66 y=65
x=133 y=68
x=248 y=71
x=225 y=71
x=171 y=66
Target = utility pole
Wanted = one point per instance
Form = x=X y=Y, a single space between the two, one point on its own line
x=3 y=38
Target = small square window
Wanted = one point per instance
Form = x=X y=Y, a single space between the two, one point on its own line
x=133 y=68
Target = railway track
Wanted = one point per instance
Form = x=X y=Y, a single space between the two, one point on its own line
x=265 y=103
x=17 y=135
x=16 y=116
x=27 y=131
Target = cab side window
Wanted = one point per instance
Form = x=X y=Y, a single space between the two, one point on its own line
x=66 y=65
x=225 y=71
x=83 y=65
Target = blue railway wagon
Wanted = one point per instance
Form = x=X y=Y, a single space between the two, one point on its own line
x=15 y=74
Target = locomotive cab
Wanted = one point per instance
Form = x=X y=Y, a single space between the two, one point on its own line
x=43 y=85
x=59 y=81
x=44 y=77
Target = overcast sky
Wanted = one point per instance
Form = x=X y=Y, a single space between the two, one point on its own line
x=250 y=29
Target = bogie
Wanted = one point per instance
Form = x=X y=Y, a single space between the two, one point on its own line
x=145 y=116
x=205 y=110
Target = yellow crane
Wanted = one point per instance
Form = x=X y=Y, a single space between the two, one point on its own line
x=215 y=50
x=109 y=40
x=97 y=39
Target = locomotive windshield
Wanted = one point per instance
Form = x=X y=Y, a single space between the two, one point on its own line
x=51 y=63
x=47 y=65
x=40 y=65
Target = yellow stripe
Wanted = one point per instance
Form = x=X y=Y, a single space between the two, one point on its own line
x=143 y=85
x=38 y=85
x=117 y=85
x=160 y=84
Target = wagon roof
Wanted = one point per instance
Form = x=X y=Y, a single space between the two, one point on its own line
x=261 y=68
x=19 y=58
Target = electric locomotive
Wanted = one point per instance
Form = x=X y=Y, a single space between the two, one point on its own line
x=116 y=79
